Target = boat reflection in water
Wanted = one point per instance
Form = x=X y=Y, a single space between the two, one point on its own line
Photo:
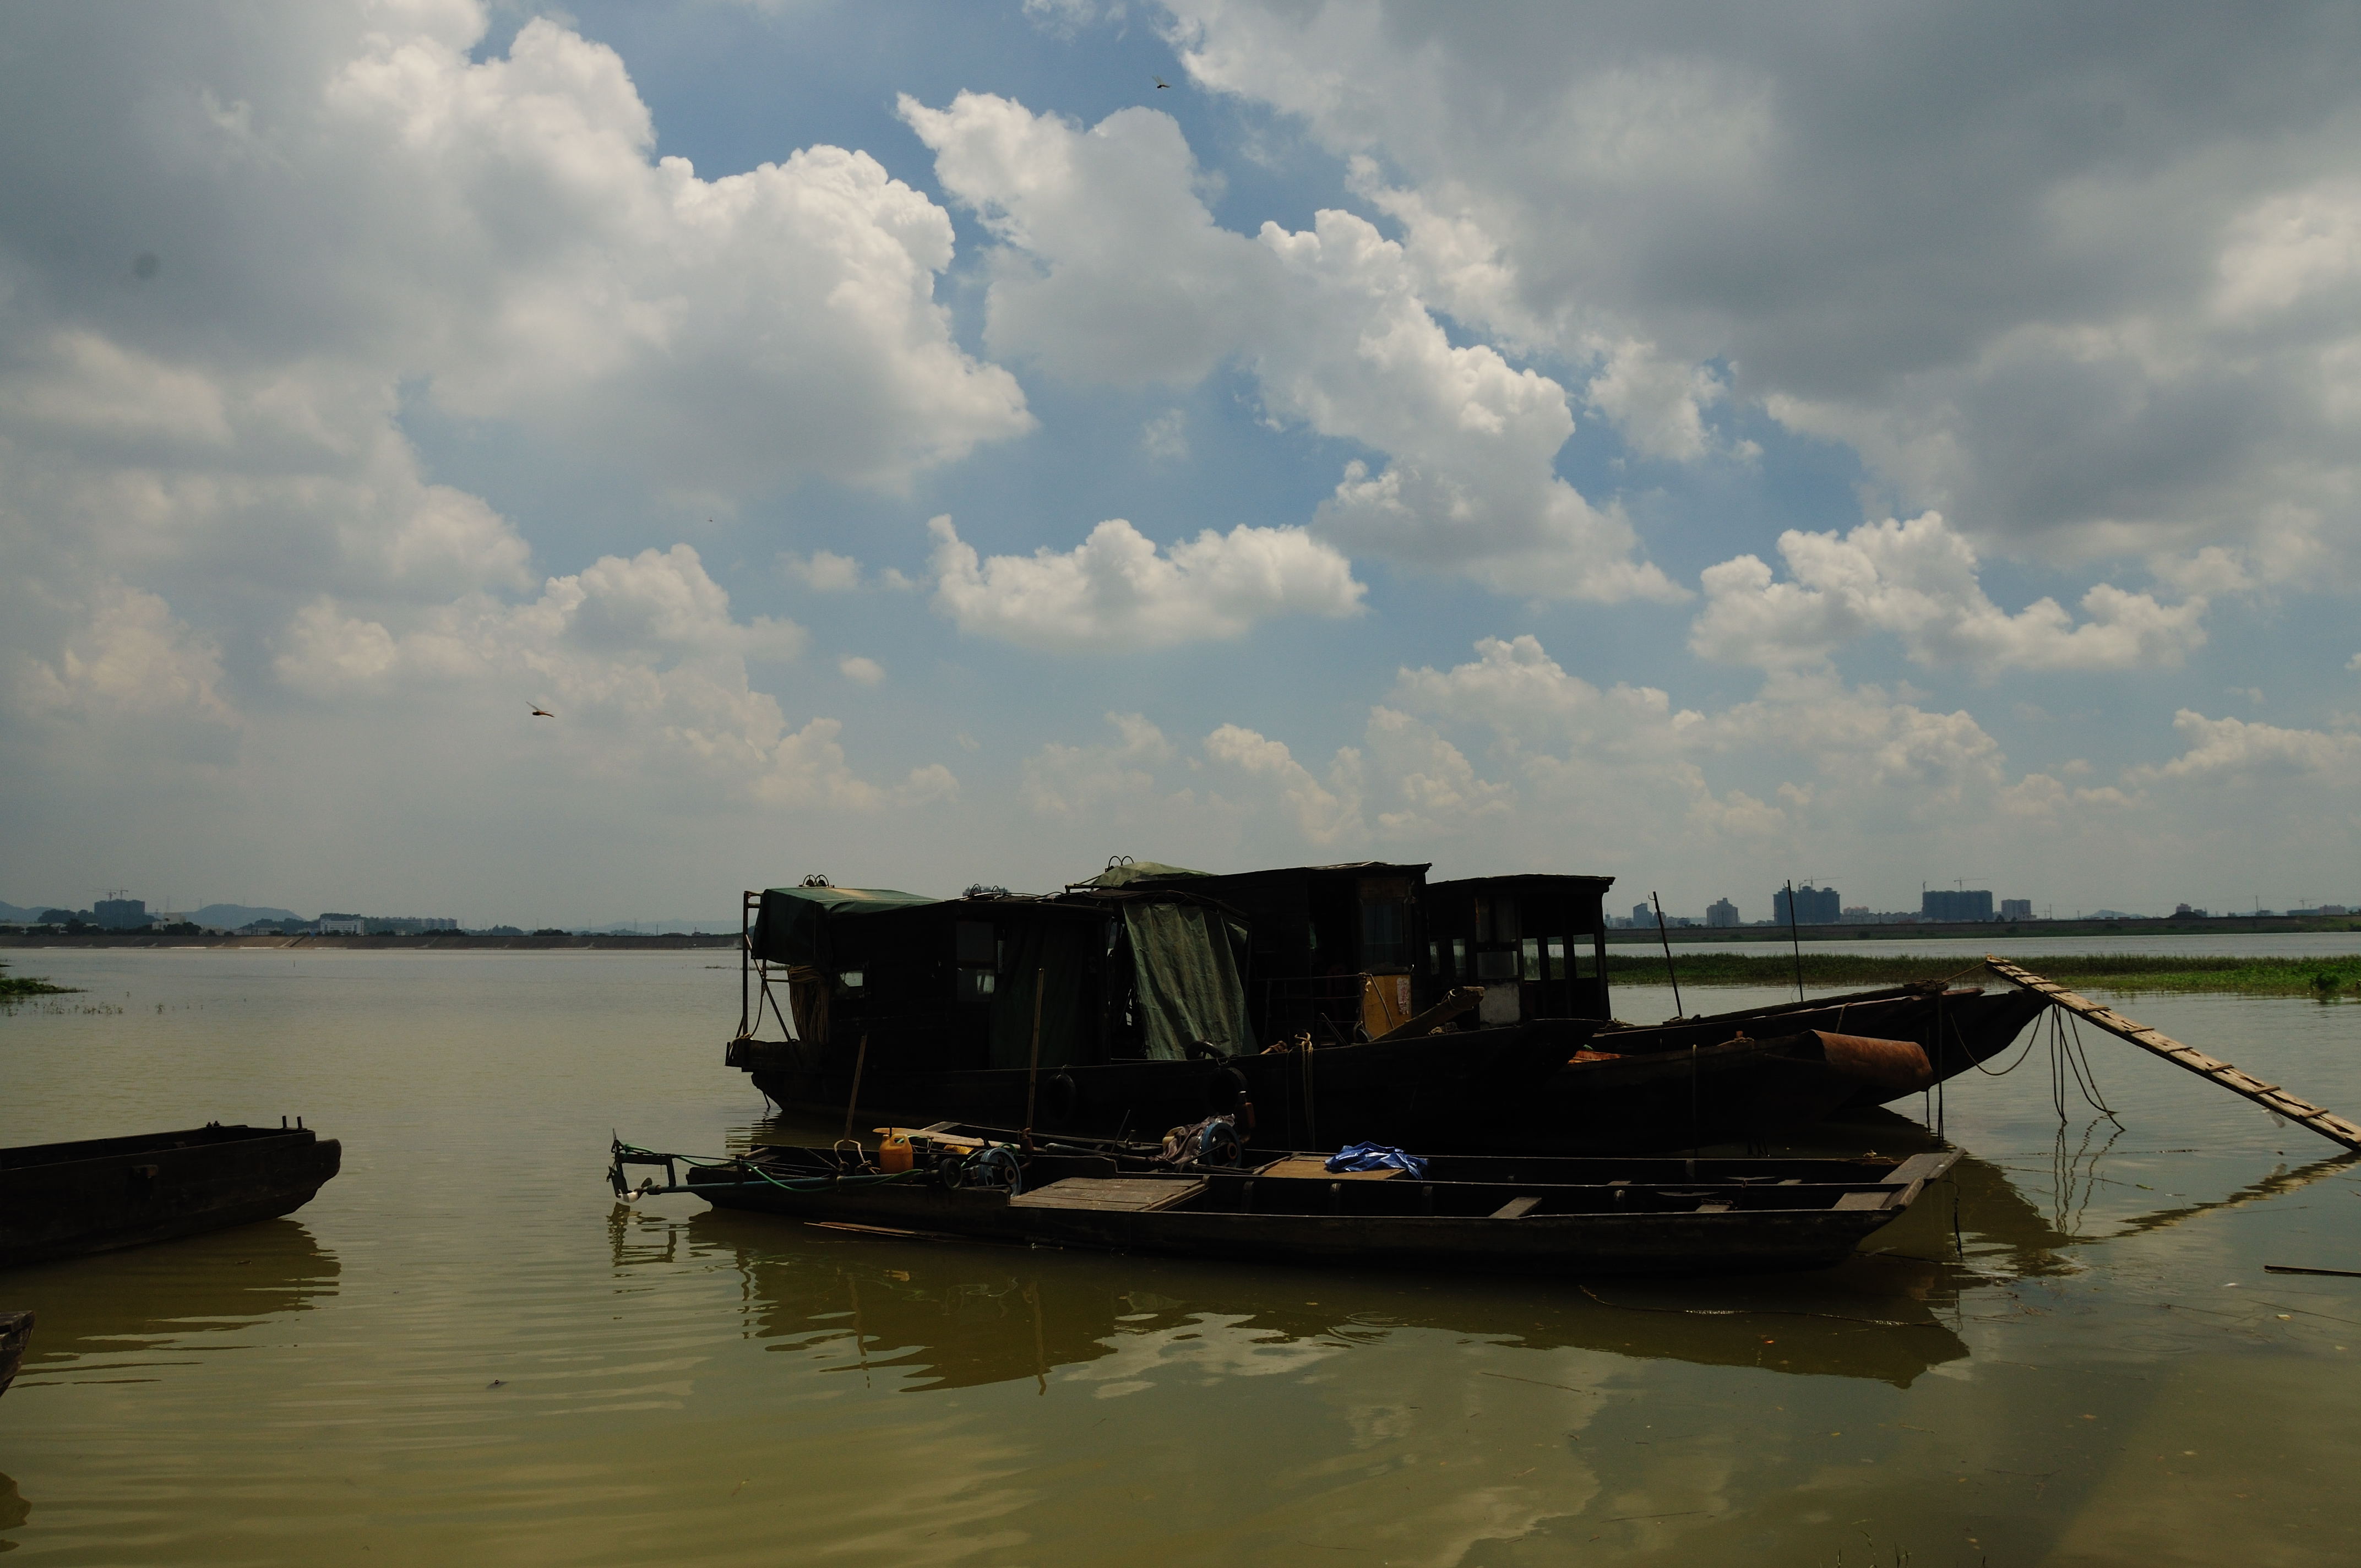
x=940 y=1315
x=118 y=1314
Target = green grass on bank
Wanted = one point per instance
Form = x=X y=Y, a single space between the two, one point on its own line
x=2336 y=976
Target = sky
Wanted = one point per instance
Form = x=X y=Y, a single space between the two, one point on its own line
x=925 y=446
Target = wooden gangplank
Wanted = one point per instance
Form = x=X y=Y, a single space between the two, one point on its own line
x=2269 y=1096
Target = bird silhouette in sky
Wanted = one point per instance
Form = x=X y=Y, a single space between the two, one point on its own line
x=539 y=711
x=1159 y=82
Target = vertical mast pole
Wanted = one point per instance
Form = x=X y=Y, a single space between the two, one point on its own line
x=1796 y=941
x=1664 y=936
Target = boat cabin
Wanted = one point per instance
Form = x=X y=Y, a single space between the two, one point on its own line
x=1537 y=943
x=938 y=985
x=1337 y=948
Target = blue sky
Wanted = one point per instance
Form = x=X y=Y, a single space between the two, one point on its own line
x=1887 y=449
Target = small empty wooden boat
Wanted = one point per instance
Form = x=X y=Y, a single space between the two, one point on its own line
x=1504 y=1214
x=66 y=1199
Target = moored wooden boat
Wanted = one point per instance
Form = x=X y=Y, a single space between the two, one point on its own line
x=1481 y=1213
x=15 y=1333
x=66 y=1199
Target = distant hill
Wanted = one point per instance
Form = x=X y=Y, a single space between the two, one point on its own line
x=230 y=916
x=19 y=914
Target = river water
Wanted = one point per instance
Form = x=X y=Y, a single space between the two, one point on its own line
x=463 y=1352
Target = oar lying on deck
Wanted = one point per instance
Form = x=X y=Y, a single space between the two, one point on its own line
x=2269 y=1096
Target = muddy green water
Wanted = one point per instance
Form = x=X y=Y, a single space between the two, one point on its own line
x=462 y=1352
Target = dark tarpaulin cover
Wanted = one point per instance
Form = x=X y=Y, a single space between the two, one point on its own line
x=1188 y=964
x=791 y=927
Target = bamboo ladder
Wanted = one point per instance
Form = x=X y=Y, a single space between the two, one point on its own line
x=2269 y=1096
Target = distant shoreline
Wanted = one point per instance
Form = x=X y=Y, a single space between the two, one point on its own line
x=428 y=941
x=1984 y=930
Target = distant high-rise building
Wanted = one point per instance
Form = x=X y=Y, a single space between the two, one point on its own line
x=2016 y=909
x=1814 y=906
x=342 y=924
x=1947 y=903
x=1721 y=912
x=120 y=915
x=1643 y=916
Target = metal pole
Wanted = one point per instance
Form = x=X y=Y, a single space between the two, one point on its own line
x=745 y=947
x=860 y=1060
x=1033 y=1073
x=1796 y=940
x=1666 y=938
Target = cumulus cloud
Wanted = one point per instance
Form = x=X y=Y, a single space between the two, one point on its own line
x=1111 y=267
x=1066 y=781
x=641 y=658
x=860 y=671
x=1116 y=590
x=130 y=657
x=2233 y=749
x=823 y=571
x=2059 y=293
x=1917 y=581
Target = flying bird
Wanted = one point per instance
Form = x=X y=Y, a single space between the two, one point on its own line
x=1159 y=82
x=539 y=711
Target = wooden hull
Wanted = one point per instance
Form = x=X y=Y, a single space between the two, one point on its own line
x=1575 y=1230
x=1725 y=1093
x=60 y=1201
x=1436 y=1090
x=15 y=1333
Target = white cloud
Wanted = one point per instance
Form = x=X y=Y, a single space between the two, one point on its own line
x=860 y=671
x=1116 y=591
x=2137 y=331
x=1166 y=437
x=1112 y=268
x=642 y=663
x=823 y=571
x=1065 y=781
x=1917 y=581
x=2231 y=748
x=1656 y=401
x=130 y=658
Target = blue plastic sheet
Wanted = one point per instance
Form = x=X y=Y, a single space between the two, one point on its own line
x=1375 y=1157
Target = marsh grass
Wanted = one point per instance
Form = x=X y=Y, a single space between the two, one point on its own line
x=2325 y=977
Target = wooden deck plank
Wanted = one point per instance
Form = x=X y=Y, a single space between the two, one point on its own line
x=1516 y=1208
x=1312 y=1167
x=2270 y=1096
x=1114 y=1194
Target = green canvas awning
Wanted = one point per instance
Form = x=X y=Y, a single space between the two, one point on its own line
x=1130 y=872
x=1188 y=961
x=791 y=927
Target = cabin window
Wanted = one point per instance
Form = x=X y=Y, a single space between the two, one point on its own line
x=1497 y=964
x=1459 y=956
x=977 y=985
x=1437 y=958
x=1585 y=962
x=1496 y=919
x=1554 y=957
x=1385 y=936
x=1532 y=948
x=850 y=982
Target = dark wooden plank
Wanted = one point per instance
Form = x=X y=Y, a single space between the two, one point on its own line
x=1516 y=1208
x=2269 y=1096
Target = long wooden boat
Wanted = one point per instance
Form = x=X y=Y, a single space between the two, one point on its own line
x=1483 y=1212
x=1755 y=1073
x=67 y=1200
x=1958 y=1027
x=15 y=1333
